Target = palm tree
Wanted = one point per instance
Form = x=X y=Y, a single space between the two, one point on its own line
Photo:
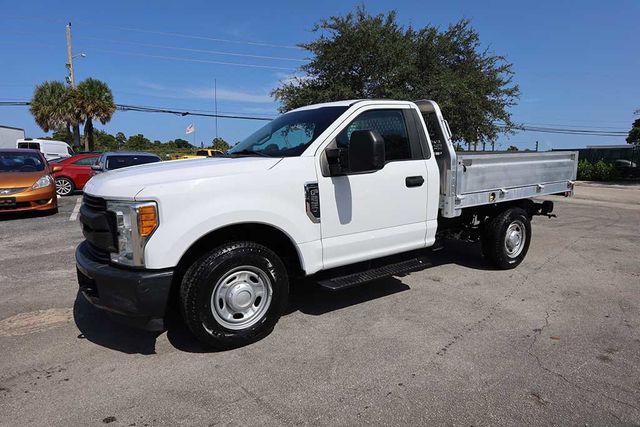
x=94 y=101
x=53 y=106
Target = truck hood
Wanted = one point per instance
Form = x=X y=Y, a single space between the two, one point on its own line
x=125 y=183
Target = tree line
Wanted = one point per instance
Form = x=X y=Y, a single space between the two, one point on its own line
x=104 y=141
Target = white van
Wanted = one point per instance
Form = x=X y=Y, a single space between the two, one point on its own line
x=49 y=148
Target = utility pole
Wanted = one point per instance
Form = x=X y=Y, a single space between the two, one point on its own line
x=71 y=79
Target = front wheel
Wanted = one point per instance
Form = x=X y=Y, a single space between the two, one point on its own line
x=234 y=295
x=506 y=238
x=64 y=186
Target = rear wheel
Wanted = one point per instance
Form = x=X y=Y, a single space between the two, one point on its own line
x=64 y=186
x=234 y=295
x=506 y=238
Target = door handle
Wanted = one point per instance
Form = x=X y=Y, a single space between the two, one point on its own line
x=414 y=181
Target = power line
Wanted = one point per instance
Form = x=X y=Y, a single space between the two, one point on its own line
x=203 y=113
x=190 y=36
x=584 y=132
x=177 y=58
x=214 y=52
x=186 y=113
x=145 y=55
x=92 y=24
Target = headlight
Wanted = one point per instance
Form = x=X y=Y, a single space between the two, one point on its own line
x=135 y=222
x=44 y=181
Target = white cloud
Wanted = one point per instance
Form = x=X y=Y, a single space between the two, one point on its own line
x=229 y=95
x=223 y=94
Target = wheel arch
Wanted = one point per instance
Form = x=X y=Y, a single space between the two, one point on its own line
x=265 y=234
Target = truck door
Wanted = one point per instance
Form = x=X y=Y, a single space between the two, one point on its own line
x=368 y=215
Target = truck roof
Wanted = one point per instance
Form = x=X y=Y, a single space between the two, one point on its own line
x=349 y=103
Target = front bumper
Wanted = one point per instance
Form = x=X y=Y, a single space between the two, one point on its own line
x=139 y=297
x=42 y=199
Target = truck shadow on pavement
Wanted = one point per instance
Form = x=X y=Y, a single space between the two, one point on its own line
x=306 y=297
x=100 y=328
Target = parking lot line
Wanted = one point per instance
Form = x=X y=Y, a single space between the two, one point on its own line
x=76 y=209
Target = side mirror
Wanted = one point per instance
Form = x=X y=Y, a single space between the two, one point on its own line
x=366 y=151
x=56 y=169
x=96 y=168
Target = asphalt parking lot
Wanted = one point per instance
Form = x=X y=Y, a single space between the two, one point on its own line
x=555 y=341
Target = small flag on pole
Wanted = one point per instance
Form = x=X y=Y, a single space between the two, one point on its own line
x=190 y=129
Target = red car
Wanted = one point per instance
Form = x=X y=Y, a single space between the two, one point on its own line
x=74 y=173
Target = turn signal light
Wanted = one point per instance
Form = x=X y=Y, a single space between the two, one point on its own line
x=147 y=220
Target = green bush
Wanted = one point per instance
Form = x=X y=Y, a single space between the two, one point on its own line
x=585 y=170
x=603 y=171
x=599 y=171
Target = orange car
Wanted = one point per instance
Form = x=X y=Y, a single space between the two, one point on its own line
x=25 y=182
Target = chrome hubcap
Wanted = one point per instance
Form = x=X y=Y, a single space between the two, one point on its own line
x=63 y=187
x=515 y=238
x=241 y=297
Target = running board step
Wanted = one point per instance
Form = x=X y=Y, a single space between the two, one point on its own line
x=342 y=282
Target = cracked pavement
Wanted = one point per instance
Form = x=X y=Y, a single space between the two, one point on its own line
x=555 y=341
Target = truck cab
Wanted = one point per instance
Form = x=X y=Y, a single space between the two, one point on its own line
x=343 y=192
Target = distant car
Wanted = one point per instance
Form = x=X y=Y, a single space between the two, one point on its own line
x=49 y=148
x=205 y=152
x=73 y=172
x=25 y=182
x=117 y=160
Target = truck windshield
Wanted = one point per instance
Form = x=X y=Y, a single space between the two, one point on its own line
x=288 y=135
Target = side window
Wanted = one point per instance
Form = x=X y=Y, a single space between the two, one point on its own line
x=29 y=145
x=390 y=125
x=87 y=161
x=70 y=151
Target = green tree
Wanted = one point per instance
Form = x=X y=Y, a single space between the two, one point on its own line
x=220 y=144
x=137 y=143
x=182 y=143
x=94 y=101
x=363 y=56
x=634 y=133
x=105 y=141
x=121 y=139
x=53 y=106
x=512 y=148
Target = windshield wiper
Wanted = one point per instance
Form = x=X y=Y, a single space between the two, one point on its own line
x=249 y=152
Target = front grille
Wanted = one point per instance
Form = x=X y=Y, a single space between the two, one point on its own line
x=8 y=191
x=99 y=227
x=96 y=203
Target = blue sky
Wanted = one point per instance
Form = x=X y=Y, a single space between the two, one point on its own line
x=577 y=63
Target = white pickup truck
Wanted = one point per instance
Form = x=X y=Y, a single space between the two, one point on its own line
x=345 y=192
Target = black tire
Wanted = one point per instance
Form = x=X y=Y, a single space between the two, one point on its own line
x=495 y=247
x=68 y=185
x=205 y=276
